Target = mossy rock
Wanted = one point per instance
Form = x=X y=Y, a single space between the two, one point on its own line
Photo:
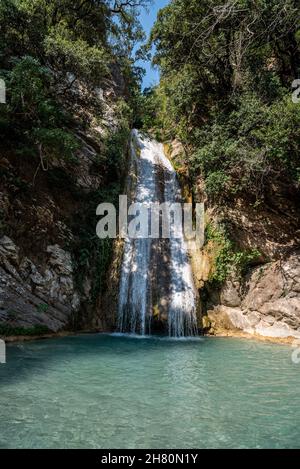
x=6 y=330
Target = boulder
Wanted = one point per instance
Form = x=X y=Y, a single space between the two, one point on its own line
x=32 y=295
x=270 y=303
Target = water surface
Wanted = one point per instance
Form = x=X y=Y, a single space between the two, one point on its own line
x=102 y=391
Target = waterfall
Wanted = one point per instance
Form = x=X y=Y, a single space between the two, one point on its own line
x=156 y=284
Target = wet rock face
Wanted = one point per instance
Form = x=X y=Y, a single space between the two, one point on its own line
x=32 y=295
x=231 y=294
x=268 y=303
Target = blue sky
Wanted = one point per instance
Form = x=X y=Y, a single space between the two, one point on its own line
x=148 y=19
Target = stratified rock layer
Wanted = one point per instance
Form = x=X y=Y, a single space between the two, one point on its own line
x=267 y=303
x=32 y=296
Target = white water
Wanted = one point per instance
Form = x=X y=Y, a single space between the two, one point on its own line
x=136 y=304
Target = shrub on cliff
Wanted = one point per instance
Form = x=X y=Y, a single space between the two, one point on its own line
x=227 y=69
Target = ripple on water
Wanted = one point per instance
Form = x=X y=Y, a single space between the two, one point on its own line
x=111 y=391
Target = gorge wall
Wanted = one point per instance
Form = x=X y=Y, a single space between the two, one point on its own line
x=266 y=302
x=69 y=90
x=226 y=98
x=263 y=298
x=53 y=273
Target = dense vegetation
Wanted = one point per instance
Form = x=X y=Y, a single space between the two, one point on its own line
x=227 y=71
x=58 y=58
x=225 y=93
x=48 y=50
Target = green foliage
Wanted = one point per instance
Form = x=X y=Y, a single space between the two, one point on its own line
x=42 y=308
x=32 y=117
x=226 y=258
x=115 y=153
x=28 y=83
x=7 y=330
x=12 y=314
x=257 y=143
x=87 y=30
x=57 y=142
x=28 y=97
x=54 y=55
x=47 y=47
x=225 y=90
x=123 y=113
x=90 y=252
x=216 y=182
x=76 y=57
x=146 y=117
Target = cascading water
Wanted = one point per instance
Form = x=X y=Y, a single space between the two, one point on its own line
x=156 y=285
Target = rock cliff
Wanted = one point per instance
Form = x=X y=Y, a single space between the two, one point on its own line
x=54 y=274
x=264 y=298
x=266 y=302
x=34 y=295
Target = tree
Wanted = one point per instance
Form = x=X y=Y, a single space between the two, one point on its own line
x=226 y=72
x=47 y=50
